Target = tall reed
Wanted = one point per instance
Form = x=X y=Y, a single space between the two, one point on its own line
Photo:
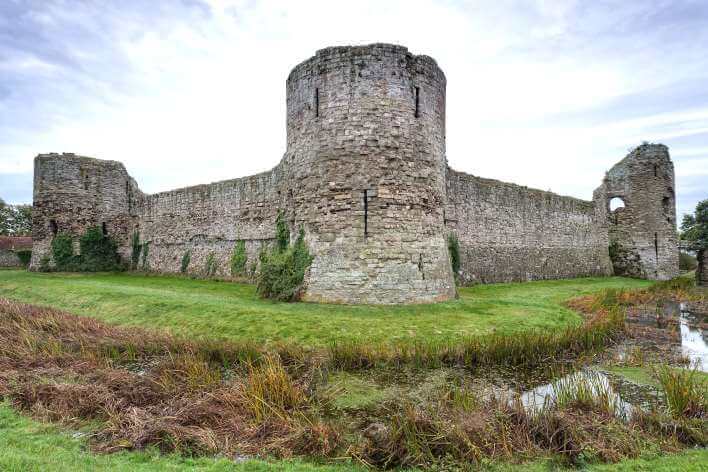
x=685 y=391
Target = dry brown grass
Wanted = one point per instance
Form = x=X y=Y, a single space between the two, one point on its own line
x=150 y=388
x=140 y=388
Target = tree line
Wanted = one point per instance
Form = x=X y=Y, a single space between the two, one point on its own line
x=15 y=220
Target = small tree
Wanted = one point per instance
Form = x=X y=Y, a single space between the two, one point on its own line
x=239 y=258
x=694 y=231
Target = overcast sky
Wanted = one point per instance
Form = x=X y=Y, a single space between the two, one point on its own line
x=548 y=94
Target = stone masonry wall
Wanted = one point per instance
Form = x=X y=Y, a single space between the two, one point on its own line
x=73 y=193
x=208 y=219
x=511 y=233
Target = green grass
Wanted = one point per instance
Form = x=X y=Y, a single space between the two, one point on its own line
x=234 y=311
x=644 y=375
x=688 y=461
x=27 y=445
x=638 y=375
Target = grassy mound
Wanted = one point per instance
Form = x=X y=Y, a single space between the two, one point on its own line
x=230 y=311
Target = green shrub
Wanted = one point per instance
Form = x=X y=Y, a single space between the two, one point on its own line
x=135 y=254
x=98 y=252
x=239 y=258
x=283 y=271
x=63 y=252
x=282 y=233
x=186 y=259
x=453 y=247
x=145 y=253
x=210 y=265
x=25 y=257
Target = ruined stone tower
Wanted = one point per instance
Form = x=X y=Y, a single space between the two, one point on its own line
x=365 y=175
x=73 y=193
x=642 y=229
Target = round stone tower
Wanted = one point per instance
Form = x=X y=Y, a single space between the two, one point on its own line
x=366 y=168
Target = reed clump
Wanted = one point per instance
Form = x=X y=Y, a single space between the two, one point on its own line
x=530 y=348
x=685 y=391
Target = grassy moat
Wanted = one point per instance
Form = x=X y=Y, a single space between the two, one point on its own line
x=132 y=372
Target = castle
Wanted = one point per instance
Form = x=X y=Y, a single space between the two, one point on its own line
x=365 y=174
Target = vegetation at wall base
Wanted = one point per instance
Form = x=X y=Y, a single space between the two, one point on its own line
x=210 y=265
x=98 y=253
x=184 y=263
x=135 y=250
x=144 y=254
x=453 y=248
x=239 y=259
x=63 y=251
x=282 y=232
x=25 y=257
x=282 y=270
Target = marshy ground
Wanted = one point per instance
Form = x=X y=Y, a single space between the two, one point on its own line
x=509 y=377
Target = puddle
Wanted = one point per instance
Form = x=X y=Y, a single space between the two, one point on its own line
x=694 y=343
x=598 y=383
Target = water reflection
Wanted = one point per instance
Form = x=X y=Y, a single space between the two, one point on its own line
x=693 y=344
x=693 y=341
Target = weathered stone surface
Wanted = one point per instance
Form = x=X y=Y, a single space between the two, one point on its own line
x=9 y=259
x=9 y=246
x=364 y=174
x=512 y=233
x=643 y=232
